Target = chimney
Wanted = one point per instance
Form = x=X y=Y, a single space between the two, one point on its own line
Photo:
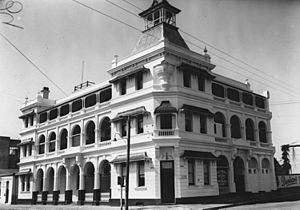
x=114 y=62
x=45 y=92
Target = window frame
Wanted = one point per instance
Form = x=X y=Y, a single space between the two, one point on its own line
x=191 y=172
x=140 y=124
x=206 y=172
x=141 y=173
x=188 y=119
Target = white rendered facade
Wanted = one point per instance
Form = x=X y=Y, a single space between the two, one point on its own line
x=188 y=139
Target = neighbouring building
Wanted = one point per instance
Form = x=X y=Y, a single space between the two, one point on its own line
x=9 y=158
x=193 y=132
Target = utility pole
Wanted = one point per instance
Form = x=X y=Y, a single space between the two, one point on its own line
x=127 y=163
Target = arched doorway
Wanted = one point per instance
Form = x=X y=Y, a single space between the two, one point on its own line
x=62 y=179
x=223 y=174
x=50 y=180
x=39 y=180
x=105 y=176
x=239 y=175
x=74 y=185
x=89 y=172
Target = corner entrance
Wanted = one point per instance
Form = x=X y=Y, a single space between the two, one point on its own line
x=167 y=181
x=239 y=175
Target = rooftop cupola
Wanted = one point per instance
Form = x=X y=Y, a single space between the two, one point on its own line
x=159 y=12
x=160 y=25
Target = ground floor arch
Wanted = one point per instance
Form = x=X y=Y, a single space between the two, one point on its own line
x=62 y=173
x=89 y=176
x=239 y=174
x=74 y=179
x=39 y=180
x=50 y=180
x=105 y=176
x=223 y=174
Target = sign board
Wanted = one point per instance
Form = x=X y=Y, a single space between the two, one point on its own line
x=292 y=180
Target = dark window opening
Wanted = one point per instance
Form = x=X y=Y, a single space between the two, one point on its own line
x=165 y=121
x=31 y=120
x=206 y=172
x=105 y=95
x=203 y=124
x=262 y=132
x=141 y=173
x=26 y=122
x=186 y=79
x=123 y=128
x=53 y=114
x=64 y=139
x=123 y=87
x=218 y=90
x=64 y=110
x=139 y=81
x=22 y=183
x=201 y=83
x=219 y=126
x=191 y=171
x=248 y=99
x=90 y=101
x=260 y=102
x=28 y=183
x=52 y=140
x=42 y=144
x=249 y=130
x=235 y=127
x=90 y=133
x=76 y=105
x=233 y=94
x=105 y=129
x=43 y=117
x=29 y=149
x=139 y=124
x=76 y=136
x=188 y=121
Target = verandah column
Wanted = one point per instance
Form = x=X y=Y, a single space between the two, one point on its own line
x=55 y=188
x=81 y=191
x=68 y=191
x=96 y=192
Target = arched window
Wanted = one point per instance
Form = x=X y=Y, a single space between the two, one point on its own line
x=89 y=172
x=39 y=180
x=76 y=136
x=42 y=144
x=90 y=133
x=265 y=164
x=235 y=127
x=249 y=130
x=105 y=129
x=52 y=139
x=262 y=129
x=252 y=166
x=219 y=125
x=64 y=139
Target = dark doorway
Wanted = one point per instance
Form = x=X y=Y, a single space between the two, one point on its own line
x=239 y=175
x=7 y=192
x=223 y=174
x=167 y=182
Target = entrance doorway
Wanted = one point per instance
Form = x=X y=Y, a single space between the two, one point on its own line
x=167 y=182
x=223 y=174
x=239 y=175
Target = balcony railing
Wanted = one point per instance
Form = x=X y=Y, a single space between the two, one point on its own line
x=166 y=132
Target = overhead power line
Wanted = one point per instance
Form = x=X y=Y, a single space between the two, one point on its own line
x=30 y=61
x=280 y=82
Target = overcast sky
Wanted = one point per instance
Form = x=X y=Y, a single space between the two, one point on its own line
x=59 y=35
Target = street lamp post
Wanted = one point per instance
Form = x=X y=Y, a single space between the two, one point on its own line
x=127 y=163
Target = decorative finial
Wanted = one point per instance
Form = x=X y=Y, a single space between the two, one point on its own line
x=205 y=50
x=26 y=100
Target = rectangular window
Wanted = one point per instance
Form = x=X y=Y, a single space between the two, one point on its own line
x=139 y=81
x=206 y=173
x=141 y=173
x=165 y=121
x=29 y=149
x=123 y=127
x=203 y=126
x=186 y=79
x=201 y=83
x=188 y=121
x=122 y=86
x=191 y=171
x=31 y=120
x=140 y=124
x=28 y=184
x=26 y=122
x=24 y=150
x=22 y=183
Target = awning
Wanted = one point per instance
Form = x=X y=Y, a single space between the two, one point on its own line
x=189 y=154
x=26 y=114
x=26 y=141
x=199 y=110
x=128 y=74
x=130 y=113
x=133 y=158
x=196 y=70
x=24 y=172
x=165 y=107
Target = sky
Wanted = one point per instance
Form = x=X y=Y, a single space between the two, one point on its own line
x=57 y=36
